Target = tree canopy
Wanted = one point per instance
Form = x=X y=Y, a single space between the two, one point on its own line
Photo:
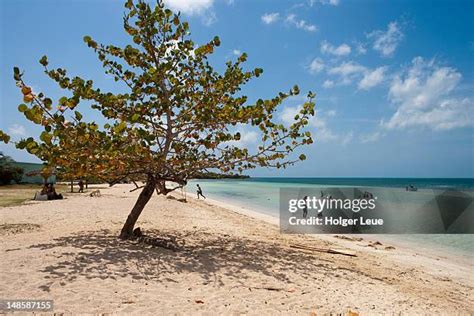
x=177 y=116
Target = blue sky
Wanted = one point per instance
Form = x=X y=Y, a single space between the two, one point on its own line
x=394 y=79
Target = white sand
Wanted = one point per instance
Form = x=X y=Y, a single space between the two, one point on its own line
x=233 y=262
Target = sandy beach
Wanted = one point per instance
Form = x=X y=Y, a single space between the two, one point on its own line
x=230 y=261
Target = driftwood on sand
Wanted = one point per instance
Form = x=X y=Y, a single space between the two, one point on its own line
x=326 y=250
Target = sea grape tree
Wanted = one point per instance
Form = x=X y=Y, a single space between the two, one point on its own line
x=176 y=116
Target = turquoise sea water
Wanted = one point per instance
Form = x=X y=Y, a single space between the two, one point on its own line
x=262 y=195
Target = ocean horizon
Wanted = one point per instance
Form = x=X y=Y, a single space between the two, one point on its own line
x=402 y=182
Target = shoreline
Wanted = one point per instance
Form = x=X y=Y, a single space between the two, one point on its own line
x=408 y=248
x=409 y=241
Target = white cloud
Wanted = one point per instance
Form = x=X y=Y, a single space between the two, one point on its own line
x=316 y=66
x=372 y=78
x=325 y=2
x=322 y=131
x=341 y=50
x=247 y=139
x=288 y=114
x=190 y=7
x=349 y=71
x=291 y=19
x=209 y=18
x=300 y=24
x=370 y=138
x=270 y=18
x=319 y=123
x=17 y=130
x=360 y=48
x=328 y=84
x=236 y=52
x=425 y=97
x=424 y=83
x=202 y=8
x=386 y=42
x=331 y=113
x=346 y=138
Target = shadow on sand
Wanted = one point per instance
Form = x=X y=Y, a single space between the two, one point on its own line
x=100 y=254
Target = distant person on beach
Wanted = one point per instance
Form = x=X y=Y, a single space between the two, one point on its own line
x=199 y=192
x=51 y=192
x=305 y=209
x=44 y=190
x=81 y=186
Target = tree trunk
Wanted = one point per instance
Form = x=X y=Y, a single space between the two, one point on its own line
x=145 y=195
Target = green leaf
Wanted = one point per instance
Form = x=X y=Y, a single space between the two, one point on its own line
x=47 y=103
x=302 y=157
x=119 y=128
x=4 y=137
x=258 y=71
x=63 y=100
x=78 y=115
x=135 y=117
x=46 y=137
x=31 y=143
x=295 y=90
x=16 y=74
x=22 y=107
x=44 y=61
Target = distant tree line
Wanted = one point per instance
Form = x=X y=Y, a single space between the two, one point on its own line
x=215 y=175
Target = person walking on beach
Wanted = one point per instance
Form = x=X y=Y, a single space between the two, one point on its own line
x=305 y=209
x=81 y=186
x=199 y=192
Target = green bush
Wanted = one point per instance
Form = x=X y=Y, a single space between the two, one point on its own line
x=8 y=172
